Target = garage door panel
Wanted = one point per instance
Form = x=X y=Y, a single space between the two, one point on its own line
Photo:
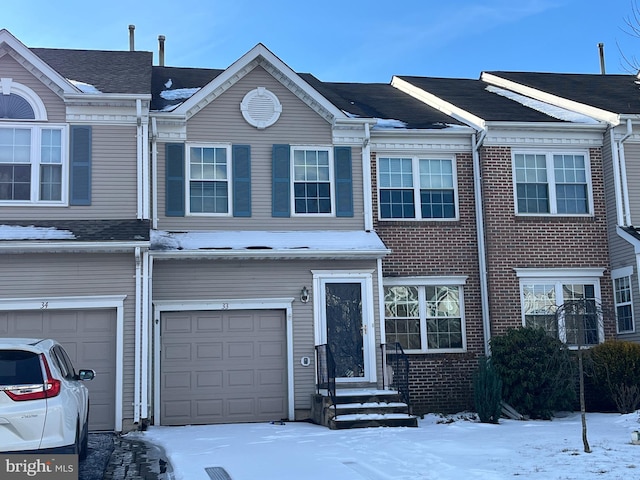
x=89 y=337
x=178 y=351
x=239 y=369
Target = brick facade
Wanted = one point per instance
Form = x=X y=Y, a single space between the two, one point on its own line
x=443 y=382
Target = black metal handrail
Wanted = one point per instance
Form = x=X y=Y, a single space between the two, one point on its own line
x=397 y=364
x=326 y=372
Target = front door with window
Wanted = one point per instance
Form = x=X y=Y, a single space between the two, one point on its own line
x=345 y=324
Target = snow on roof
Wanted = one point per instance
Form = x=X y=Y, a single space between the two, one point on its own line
x=84 y=87
x=179 y=93
x=262 y=240
x=16 y=232
x=386 y=123
x=546 y=108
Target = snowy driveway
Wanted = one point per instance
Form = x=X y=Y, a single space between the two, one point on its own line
x=451 y=448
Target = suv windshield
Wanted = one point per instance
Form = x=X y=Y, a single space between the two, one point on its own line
x=18 y=367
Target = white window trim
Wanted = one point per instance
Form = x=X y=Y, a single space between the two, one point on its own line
x=8 y=86
x=415 y=166
x=558 y=277
x=445 y=281
x=36 y=155
x=551 y=182
x=187 y=192
x=617 y=274
x=332 y=185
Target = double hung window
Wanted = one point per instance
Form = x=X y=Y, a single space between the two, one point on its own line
x=552 y=183
x=209 y=179
x=425 y=316
x=312 y=174
x=32 y=163
x=417 y=188
x=623 y=299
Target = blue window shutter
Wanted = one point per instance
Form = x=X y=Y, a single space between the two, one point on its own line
x=241 y=158
x=344 y=181
x=80 y=165
x=281 y=188
x=174 y=176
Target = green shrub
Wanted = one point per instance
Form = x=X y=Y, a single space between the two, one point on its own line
x=487 y=392
x=536 y=371
x=615 y=366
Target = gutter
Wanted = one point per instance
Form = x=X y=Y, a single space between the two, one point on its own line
x=69 y=246
x=270 y=254
x=482 y=253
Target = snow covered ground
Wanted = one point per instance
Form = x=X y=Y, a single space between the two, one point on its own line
x=453 y=447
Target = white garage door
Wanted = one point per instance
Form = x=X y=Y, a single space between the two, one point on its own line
x=223 y=367
x=89 y=337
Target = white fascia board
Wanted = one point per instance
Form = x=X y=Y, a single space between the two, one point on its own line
x=270 y=254
x=449 y=140
x=102 y=98
x=12 y=42
x=597 y=113
x=635 y=242
x=235 y=71
x=438 y=103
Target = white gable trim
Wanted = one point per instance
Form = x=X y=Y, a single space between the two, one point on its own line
x=597 y=113
x=12 y=46
x=260 y=56
x=437 y=103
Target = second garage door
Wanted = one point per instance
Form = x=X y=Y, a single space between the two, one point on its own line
x=223 y=367
x=89 y=337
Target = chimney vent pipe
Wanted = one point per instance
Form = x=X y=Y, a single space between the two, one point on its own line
x=131 y=38
x=161 y=39
x=601 y=50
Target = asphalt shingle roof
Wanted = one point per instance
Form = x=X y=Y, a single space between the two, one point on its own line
x=109 y=71
x=92 y=230
x=613 y=93
x=380 y=100
x=473 y=97
x=178 y=78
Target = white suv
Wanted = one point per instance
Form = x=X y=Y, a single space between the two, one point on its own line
x=44 y=406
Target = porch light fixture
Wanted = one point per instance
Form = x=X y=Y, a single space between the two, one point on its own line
x=304 y=295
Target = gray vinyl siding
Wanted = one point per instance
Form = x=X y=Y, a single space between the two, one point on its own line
x=632 y=162
x=221 y=121
x=10 y=68
x=206 y=280
x=76 y=275
x=114 y=185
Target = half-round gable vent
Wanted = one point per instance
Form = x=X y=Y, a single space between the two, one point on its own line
x=261 y=108
x=15 y=107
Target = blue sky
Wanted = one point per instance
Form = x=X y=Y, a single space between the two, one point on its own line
x=345 y=40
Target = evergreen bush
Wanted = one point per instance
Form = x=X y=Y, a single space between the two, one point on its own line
x=616 y=373
x=536 y=371
x=487 y=392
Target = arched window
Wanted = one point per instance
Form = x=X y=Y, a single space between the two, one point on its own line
x=15 y=107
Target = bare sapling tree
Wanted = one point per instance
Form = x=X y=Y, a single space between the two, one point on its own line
x=582 y=322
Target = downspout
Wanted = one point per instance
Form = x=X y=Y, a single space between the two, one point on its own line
x=617 y=183
x=145 y=325
x=137 y=340
x=154 y=172
x=145 y=169
x=139 y=155
x=623 y=173
x=383 y=331
x=482 y=254
x=367 y=180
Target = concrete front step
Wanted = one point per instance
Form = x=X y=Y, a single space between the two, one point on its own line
x=366 y=420
x=371 y=408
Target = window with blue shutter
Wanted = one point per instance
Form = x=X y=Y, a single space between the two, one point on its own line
x=174 y=176
x=80 y=165
x=241 y=180
x=281 y=177
x=344 y=181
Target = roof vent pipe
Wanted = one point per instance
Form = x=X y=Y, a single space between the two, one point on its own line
x=161 y=51
x=131 y=38
x=601 y=50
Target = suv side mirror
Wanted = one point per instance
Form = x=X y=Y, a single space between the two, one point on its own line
x=86 y=375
